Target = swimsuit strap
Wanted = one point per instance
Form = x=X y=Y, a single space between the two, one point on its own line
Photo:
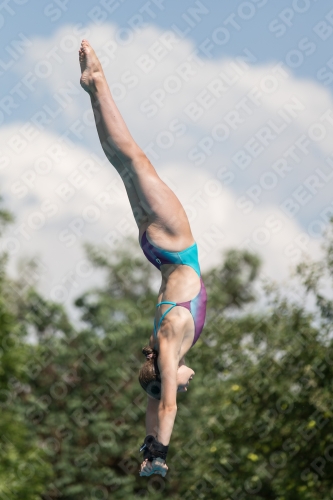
x=166 y=302
x=173 y=304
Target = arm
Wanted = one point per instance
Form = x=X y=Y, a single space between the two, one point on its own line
x=160 y=416
x=168 y=365
x=151 y=416
x=152 y=405
x=166 y=419
x=158 y=465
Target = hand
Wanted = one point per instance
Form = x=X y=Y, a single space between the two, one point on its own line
x=157 y=466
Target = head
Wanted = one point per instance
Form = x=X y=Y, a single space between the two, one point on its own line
x=150 y=379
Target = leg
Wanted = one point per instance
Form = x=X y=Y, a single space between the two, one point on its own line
x=166 y=216
x=140 y=215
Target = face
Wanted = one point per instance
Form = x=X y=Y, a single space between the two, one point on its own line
x=184 y=375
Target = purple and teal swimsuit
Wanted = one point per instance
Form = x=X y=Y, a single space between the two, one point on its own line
x=187 y=257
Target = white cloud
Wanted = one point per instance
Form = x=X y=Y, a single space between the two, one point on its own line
x=237 y=206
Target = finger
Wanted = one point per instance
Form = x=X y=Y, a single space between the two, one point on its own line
x=146 y=466
x=158 y=469
x=160 y=472
x=160 y=464
x=146 y=473
x=155 y=470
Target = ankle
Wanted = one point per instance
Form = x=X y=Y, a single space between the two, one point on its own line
x=99 y=82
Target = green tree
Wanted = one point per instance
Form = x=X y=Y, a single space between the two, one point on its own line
x=85 y=404
x=257 y=421
x=24 y=472
x=92 y=421
x=266 y=401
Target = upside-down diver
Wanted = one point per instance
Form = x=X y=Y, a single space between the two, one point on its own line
x=166 y=240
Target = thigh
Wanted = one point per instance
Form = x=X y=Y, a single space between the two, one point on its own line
x=164 y=210
x=140 y=215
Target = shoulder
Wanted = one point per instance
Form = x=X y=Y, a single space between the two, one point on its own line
x=175 y=323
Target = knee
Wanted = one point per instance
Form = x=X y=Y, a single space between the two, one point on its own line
x=139 y=162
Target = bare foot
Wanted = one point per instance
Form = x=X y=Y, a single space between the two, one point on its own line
x=91 y=69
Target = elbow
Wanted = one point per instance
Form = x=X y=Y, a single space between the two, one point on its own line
x=168 y=408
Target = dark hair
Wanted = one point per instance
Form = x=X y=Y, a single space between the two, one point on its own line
x=149 y=375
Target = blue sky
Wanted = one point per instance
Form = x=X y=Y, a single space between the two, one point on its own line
x=272 y=31
x=256 y=33
x=251 y=208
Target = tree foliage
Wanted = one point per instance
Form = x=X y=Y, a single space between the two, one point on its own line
x=23 y=468
x=256 y=423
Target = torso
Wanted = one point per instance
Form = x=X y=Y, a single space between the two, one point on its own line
x=180 y=283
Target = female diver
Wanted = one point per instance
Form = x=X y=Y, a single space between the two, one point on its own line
x=167 y=242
